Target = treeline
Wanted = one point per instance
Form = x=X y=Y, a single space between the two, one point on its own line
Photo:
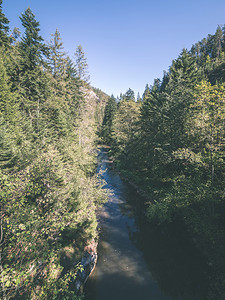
x=171 y=143
x=48 y=188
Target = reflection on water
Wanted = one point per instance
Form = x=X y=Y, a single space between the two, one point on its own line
x=137 y=261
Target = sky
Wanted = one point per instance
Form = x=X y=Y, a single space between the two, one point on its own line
x=127 y=43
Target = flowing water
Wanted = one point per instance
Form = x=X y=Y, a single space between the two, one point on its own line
x=139 y=261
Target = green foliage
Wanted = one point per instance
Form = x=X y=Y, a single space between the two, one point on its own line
x=49 y=191
x=32 y=43
x=81 y=64
x=7 y=98
x=124 y=126
x=57 y=56
x=110 y=110
x=173 y=147
x=103 y=98
x=146 y=93
x=129 y=95
x=4 y=28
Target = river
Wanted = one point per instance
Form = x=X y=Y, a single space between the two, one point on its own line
x=137 y=260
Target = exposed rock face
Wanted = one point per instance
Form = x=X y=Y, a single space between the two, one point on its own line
x=88 y=262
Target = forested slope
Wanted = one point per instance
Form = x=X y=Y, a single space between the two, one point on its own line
x=48 y=188
x=171 y=143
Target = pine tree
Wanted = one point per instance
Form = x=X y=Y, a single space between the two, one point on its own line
x=7 y=156
x=81 y=64
x=129 y=95
x=147 y=92
x=70 y=68
x=34 y=83
x=14 y=35
x=73 y=92
x=124 y=128
x=56 y=55
x=32 y=45
x=152 y=128
x=109 y=113
x=183 y=76
x=156 y=86
x=184 y=71
x=4 y=28
x=7 y=98
x=217 y=42
x=139 y=98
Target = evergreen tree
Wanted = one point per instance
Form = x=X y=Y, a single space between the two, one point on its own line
x=70 y=68
x=125 y=129
x=73 y=93
x=4 y=28
x=33 y=83
x=7 y=98
x=56 y=55
x=156 y=86
x=223 y=41
x=152 y=131
x=81 y=64
x=139 y=98
x=129 y=95
x=14 y=35
x=217 y=43
x=110 y=110
x=32 y=45
x=146 y=93
x=207 y=120
x=183 y=71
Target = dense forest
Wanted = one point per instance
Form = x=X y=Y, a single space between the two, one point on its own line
x=171 y=144
x=49 y=190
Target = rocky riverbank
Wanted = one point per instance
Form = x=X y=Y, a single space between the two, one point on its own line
x=88 y=263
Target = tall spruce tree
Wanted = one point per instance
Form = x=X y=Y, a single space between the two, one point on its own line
x=32 y=45
x=124 y=128
x=129 y=95
x=33 y=81
x=4 y=28
x=109 y=113
x=81 y=64
x=139 y=98
x=217 y=42
x=146 y=93
x=56 y=55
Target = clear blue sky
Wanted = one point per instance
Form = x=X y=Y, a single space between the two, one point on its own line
x=127 y=43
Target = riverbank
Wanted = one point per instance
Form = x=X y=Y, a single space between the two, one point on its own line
x=87 y=263
x=137 y=259
x=206 y=237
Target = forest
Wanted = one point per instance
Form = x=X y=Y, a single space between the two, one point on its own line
x=49 y=190
x=170 y=143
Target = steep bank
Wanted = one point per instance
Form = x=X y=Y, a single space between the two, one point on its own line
x=49 y=193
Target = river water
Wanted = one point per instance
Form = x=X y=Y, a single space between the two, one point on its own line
x=137 y=260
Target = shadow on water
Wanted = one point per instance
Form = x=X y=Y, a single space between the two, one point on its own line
x=138 y=260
